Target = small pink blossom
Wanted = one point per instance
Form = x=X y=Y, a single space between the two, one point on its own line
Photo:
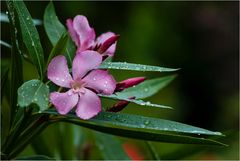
x=84 y=37
x=87 y=80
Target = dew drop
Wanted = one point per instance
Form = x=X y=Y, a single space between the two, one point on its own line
x=35 y=99
x=146 y=122
x=28 y=18
x=57 y=79
x=32 y=43
x=146 y=89
x=94 y=78
x=69 y=93
x=63 y=80
x=7 y=12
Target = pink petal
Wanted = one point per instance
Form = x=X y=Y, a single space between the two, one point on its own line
x=64 y=102
x=100 y=81
x=85 y=33
x=102 y=38
x=72 y=32
x=89 y=105
x=58 y=71
x=84 y=62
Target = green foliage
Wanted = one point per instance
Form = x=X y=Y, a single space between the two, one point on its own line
x=29 y=34
x=110 y=147
x=140 y=127
x=136 y=101
x=59 y=48
x=55 y=29
x=33 y=91
x=146 y=88
x=27 y=124
x=136 y=67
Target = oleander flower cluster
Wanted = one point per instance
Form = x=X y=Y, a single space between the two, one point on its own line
x=86 y=80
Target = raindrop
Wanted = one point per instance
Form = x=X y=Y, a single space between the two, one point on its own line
x=69 y=93
x=63 y=80
x=28 y=18
x=7 y=12
x=146 y=89
x=57 y=79
x=35 y=99
x=94 y=78
x=146 y=122
x=32 y=43
x=165 y=128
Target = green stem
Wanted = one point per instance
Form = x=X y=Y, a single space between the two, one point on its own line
x=153 y=151
x=25 y=138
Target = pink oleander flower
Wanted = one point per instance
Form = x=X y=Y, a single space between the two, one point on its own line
x=84 y=37
x=84 y=84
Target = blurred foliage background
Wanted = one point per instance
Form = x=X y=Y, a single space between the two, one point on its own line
x=201 y=38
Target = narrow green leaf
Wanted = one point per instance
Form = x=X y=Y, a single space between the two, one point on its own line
x=30 y=36
x=16 y=69
x=59 y=48
x=153 y=150
x=136 y=67
x=33 y=91
x=110 y=147
x=55 y=29
x=140 y=127
x=136 y=101
x=4 y=73
x=146 y=88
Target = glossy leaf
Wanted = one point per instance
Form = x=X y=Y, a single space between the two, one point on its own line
x=16 y=68
x=110 y=147
x=141 y=127
x=136 y=101
x=136 y=67
x=146 y=88
x=30 y=36
x=33 y=91
x=55 y=29
x=59 y=48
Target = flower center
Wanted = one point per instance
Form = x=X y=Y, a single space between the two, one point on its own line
x=77 y=86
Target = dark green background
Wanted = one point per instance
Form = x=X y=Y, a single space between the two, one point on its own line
x=201 y=38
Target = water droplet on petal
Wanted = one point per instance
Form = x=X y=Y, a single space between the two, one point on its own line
x=69 y=93
x=94 y=78
x=57 y=79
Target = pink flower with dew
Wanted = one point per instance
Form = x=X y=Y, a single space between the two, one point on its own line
x=84 y=37
x=84 y=84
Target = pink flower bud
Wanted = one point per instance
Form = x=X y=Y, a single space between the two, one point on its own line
x=129 y=83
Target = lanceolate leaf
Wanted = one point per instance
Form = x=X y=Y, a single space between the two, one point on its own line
x=137 y=67
x=110 y=147
x=59 y=48
x=136 y=101
x=55 y=29
x=30 y=36
x=33 y=91
x=140 y=127
x=16 y=76
x=146 y=88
